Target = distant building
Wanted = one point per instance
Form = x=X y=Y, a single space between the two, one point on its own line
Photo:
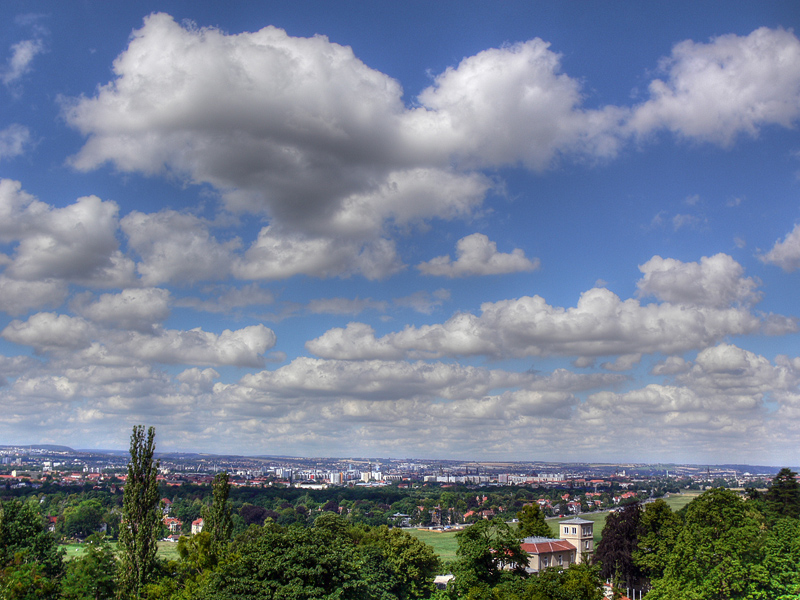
x=546 y=552
x=197 y=526
x=580 y=533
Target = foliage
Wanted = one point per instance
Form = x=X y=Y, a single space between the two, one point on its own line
x=410 y=564
x=783 y=497
x=532 y=522
x=615 y=552
x=83 y=520
x=487 y=552
x=30 y=561
x=141 y=518
x=658 y=531
x=717 y=553
x=217 y=520
x=91 y=576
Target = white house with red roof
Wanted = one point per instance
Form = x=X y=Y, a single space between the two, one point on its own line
x=546 y=552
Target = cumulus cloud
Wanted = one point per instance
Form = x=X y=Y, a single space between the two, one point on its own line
x=600 y=325
x=785 y=254
x=75 y=243
x=63 y=335
x=18 y=297
x=176 y=247
x=14 y=140
x=729 y=86
x=477 y=255
x=138 y=309
x=277 y=254
x=716 y=281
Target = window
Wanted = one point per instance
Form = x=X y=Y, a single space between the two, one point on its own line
x=574 y=530
x=559 y=560
x=566 y=529
x=587 y=544
x=544 y=561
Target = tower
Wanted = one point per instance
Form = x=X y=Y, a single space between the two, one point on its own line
x=580 y=533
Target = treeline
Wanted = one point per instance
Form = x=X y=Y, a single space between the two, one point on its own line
x=720 y=546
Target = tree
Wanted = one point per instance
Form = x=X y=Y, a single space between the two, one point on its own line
x=409 y=564
x=658 y=531
x=91 y=576
x=532 y=522
x=615 y=552
x=486 y=551
x=783 y=497
x=83 y=520
x=717 y=553
x=141 y=517
x=30 y=561
x=217 y=521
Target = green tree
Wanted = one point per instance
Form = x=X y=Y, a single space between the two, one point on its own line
x=578 y=582
x=618 y=544
x=487 y=551
x=781 y=559
x=217 y=520
x=91 y=576
x=30 y=561
x=85 y=519
x=783 y=497
x=141 y=517
x=409 y=564
x=532 y=522
x=658 y=532
x=717 y=553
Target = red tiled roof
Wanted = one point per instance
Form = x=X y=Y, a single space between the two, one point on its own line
x=550 y=546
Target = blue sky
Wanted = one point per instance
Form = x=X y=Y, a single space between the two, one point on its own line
x=459 y=230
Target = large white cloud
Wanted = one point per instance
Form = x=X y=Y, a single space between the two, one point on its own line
x=477 y=255
x=76 y=243
x=138 y=309
x=601 y=324
x=176 y=247
x=729 y=86
x=715 y=281
x=76 y=341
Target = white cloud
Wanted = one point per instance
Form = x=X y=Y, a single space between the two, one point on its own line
x=786 y=253
x=176 y=247
x=19 y=63
x=600 y=325
x=225 y=298
x=76 y=243
x=138 y=309
x=510 y=105
x=14 y=140
x=277 y=254
x=18 y=297
x=624 y=362
x=729 y=86
x=49 y=331
x=715 y=281
x=477 y=255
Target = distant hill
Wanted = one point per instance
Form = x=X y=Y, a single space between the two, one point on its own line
x=45 y=447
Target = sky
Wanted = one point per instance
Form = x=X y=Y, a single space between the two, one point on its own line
x=457 y=230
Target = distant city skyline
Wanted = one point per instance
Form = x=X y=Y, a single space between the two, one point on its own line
x=498 y=231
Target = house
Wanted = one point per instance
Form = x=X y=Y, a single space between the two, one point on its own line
x=197 y=526
x=166 y=505
x=174 y=525
x=546 y=552
x=580 y=533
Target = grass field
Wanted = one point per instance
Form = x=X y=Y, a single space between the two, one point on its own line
x=443 y=542
x=168 y=550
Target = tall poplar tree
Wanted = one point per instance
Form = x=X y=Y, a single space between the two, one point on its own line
x=218 y=521
x=138 y=534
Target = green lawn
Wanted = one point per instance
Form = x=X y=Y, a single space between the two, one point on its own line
x=443 y=543
x=167 y=550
